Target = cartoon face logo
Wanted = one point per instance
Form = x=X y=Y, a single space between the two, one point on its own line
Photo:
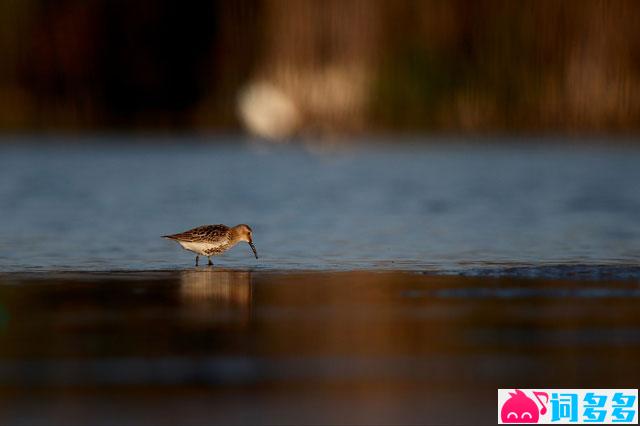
x=519 y=408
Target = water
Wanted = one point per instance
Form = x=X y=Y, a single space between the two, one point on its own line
x=217 y=346
x=104 y=322
x=499 y=208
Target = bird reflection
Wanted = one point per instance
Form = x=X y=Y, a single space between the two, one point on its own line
x=215 y=292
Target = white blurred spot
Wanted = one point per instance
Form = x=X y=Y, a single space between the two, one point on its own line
x=268 y=112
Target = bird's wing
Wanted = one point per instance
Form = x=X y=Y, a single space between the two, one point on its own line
x=201 y=233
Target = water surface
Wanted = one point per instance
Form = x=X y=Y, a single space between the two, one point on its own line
x=216 y=346
x=101 y=204
x=487 y=267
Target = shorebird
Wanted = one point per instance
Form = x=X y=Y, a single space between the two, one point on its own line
x=212 y=240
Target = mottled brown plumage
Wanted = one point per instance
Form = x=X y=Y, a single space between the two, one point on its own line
x=202 y=233
x=212 y=240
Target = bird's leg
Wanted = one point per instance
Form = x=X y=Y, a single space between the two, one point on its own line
x=197 y=257
x=210 y=262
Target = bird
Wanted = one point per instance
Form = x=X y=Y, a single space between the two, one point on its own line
x=213 y=240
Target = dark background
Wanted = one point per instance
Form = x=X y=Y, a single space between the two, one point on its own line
x=346 y=67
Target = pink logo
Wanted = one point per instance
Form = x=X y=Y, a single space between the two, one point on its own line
x=519 y=408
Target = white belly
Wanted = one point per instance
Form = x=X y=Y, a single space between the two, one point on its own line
x=201 y=248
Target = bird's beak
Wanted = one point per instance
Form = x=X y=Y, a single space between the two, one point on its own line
x=253 y=248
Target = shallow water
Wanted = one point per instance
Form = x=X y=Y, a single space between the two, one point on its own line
x=104 y=322
x=101 y=204
x=215 y=346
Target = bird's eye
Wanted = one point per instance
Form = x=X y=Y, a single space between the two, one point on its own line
x=526 y=414
x=512 y=414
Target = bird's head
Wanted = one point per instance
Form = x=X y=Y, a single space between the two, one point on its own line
x=244 y=233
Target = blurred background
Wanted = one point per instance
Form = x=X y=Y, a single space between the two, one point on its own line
x=480 y=157
x=330 y=67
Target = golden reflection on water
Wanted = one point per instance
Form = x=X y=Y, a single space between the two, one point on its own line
x=204 y=291
x=355 y=347
x=220 y=287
